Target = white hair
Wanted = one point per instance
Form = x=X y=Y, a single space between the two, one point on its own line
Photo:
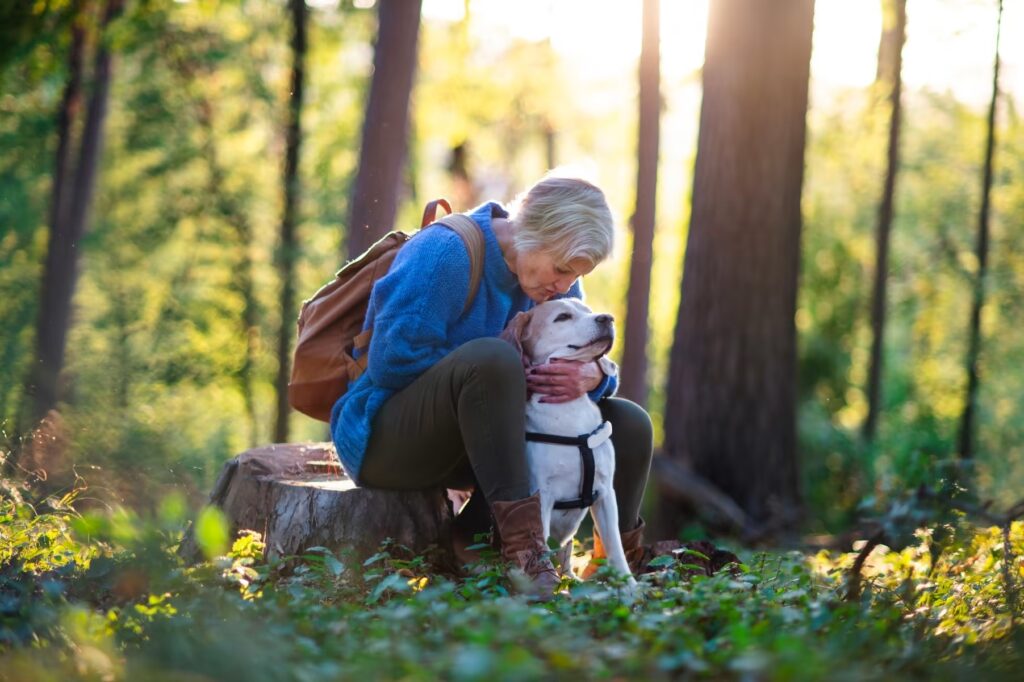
x=566 y=217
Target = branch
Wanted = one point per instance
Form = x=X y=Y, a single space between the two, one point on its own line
x=683 y=485
x=855 y=580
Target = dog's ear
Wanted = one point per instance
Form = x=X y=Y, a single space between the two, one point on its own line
x=514 y=333
x=607 y=366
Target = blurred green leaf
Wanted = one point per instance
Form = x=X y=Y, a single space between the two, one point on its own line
x=211 y=530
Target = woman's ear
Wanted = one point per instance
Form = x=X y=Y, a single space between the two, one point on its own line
x=514 y=332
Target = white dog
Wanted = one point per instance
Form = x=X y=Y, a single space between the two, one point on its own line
x=561 y=437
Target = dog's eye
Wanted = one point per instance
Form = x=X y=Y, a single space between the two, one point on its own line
x=563 y=317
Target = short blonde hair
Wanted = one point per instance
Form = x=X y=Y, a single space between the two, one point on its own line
x=565 y=216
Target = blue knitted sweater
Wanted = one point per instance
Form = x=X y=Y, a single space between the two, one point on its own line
x=416 y=313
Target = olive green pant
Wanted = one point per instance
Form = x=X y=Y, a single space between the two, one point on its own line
x=461 y=424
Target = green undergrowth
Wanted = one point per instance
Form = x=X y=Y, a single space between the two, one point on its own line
x=103 y=596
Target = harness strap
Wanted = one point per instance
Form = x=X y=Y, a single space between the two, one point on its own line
x=586 y=444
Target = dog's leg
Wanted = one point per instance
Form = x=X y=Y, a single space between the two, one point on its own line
x=546 y=508
x=564 y=556
x=606 y=517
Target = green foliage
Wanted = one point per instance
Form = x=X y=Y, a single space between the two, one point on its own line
x=105 y=596
x=169 y=359
x=212 y=532
x=932 y=265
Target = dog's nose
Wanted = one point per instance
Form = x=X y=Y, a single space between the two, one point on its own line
x=605 y=320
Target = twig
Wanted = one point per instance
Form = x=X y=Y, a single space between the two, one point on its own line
x=682 y=484
x=855 y=580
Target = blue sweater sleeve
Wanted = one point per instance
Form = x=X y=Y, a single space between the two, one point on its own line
x=413 y=306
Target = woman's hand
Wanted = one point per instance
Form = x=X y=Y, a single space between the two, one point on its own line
x=560 y=381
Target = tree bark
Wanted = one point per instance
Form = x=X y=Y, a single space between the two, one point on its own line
x=633 y=378
x=69 y=215
x=893 y=79
x=550 y=145
x=731 y=408
x=296 y=497
x=386 y=125
x=981 y=251
x=288 y=248
x=890 y=43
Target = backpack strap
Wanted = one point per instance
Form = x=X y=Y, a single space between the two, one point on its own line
x=430 y=211
x=473 y=237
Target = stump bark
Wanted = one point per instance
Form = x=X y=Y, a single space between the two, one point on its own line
x=297 y=496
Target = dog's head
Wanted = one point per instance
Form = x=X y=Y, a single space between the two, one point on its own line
x=562 y=329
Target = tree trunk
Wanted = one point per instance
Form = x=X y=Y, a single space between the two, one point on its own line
x=890 y=44
x=731 y=397
x=386 y=125
x=974 y=341
x=464 y=192
x=296 y=497
x=288 y=248
x=633 y=378
x=69 y=214
x=893 y=79
x=550 y=145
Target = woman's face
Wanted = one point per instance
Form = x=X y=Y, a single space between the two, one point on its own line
x=542 y=276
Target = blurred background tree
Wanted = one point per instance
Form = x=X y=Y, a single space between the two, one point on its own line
x=287 y=248
x=633 y=381
x=731 y=408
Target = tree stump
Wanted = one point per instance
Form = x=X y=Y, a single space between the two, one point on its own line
x=297 y=496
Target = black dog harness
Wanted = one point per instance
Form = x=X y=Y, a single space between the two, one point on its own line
x=586 y=443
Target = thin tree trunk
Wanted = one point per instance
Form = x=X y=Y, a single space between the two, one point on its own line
x=70 y=215
x=288 y=248
x=731 y=403
x=633 y=379
x=894 y=79
x=974 y=342
x=550 y=145
x=890 y=44
x=386 y=125
x=119 y=301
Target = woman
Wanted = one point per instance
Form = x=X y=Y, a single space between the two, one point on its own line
x=442 y=400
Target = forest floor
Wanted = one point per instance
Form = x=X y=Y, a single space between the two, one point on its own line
x=105 y=597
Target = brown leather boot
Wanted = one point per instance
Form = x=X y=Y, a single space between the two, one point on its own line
x=523 y=544
x=473 y=520
x=632 y=546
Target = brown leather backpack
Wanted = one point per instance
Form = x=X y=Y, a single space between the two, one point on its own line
x=331 y=322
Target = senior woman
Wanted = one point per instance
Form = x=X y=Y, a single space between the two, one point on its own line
x=442 y=402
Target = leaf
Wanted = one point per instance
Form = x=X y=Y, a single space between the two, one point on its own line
x=394 y=582
x=333 y=565
x=693 y=552
x=375 y=558
x=212 y=532
x=662 y=561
